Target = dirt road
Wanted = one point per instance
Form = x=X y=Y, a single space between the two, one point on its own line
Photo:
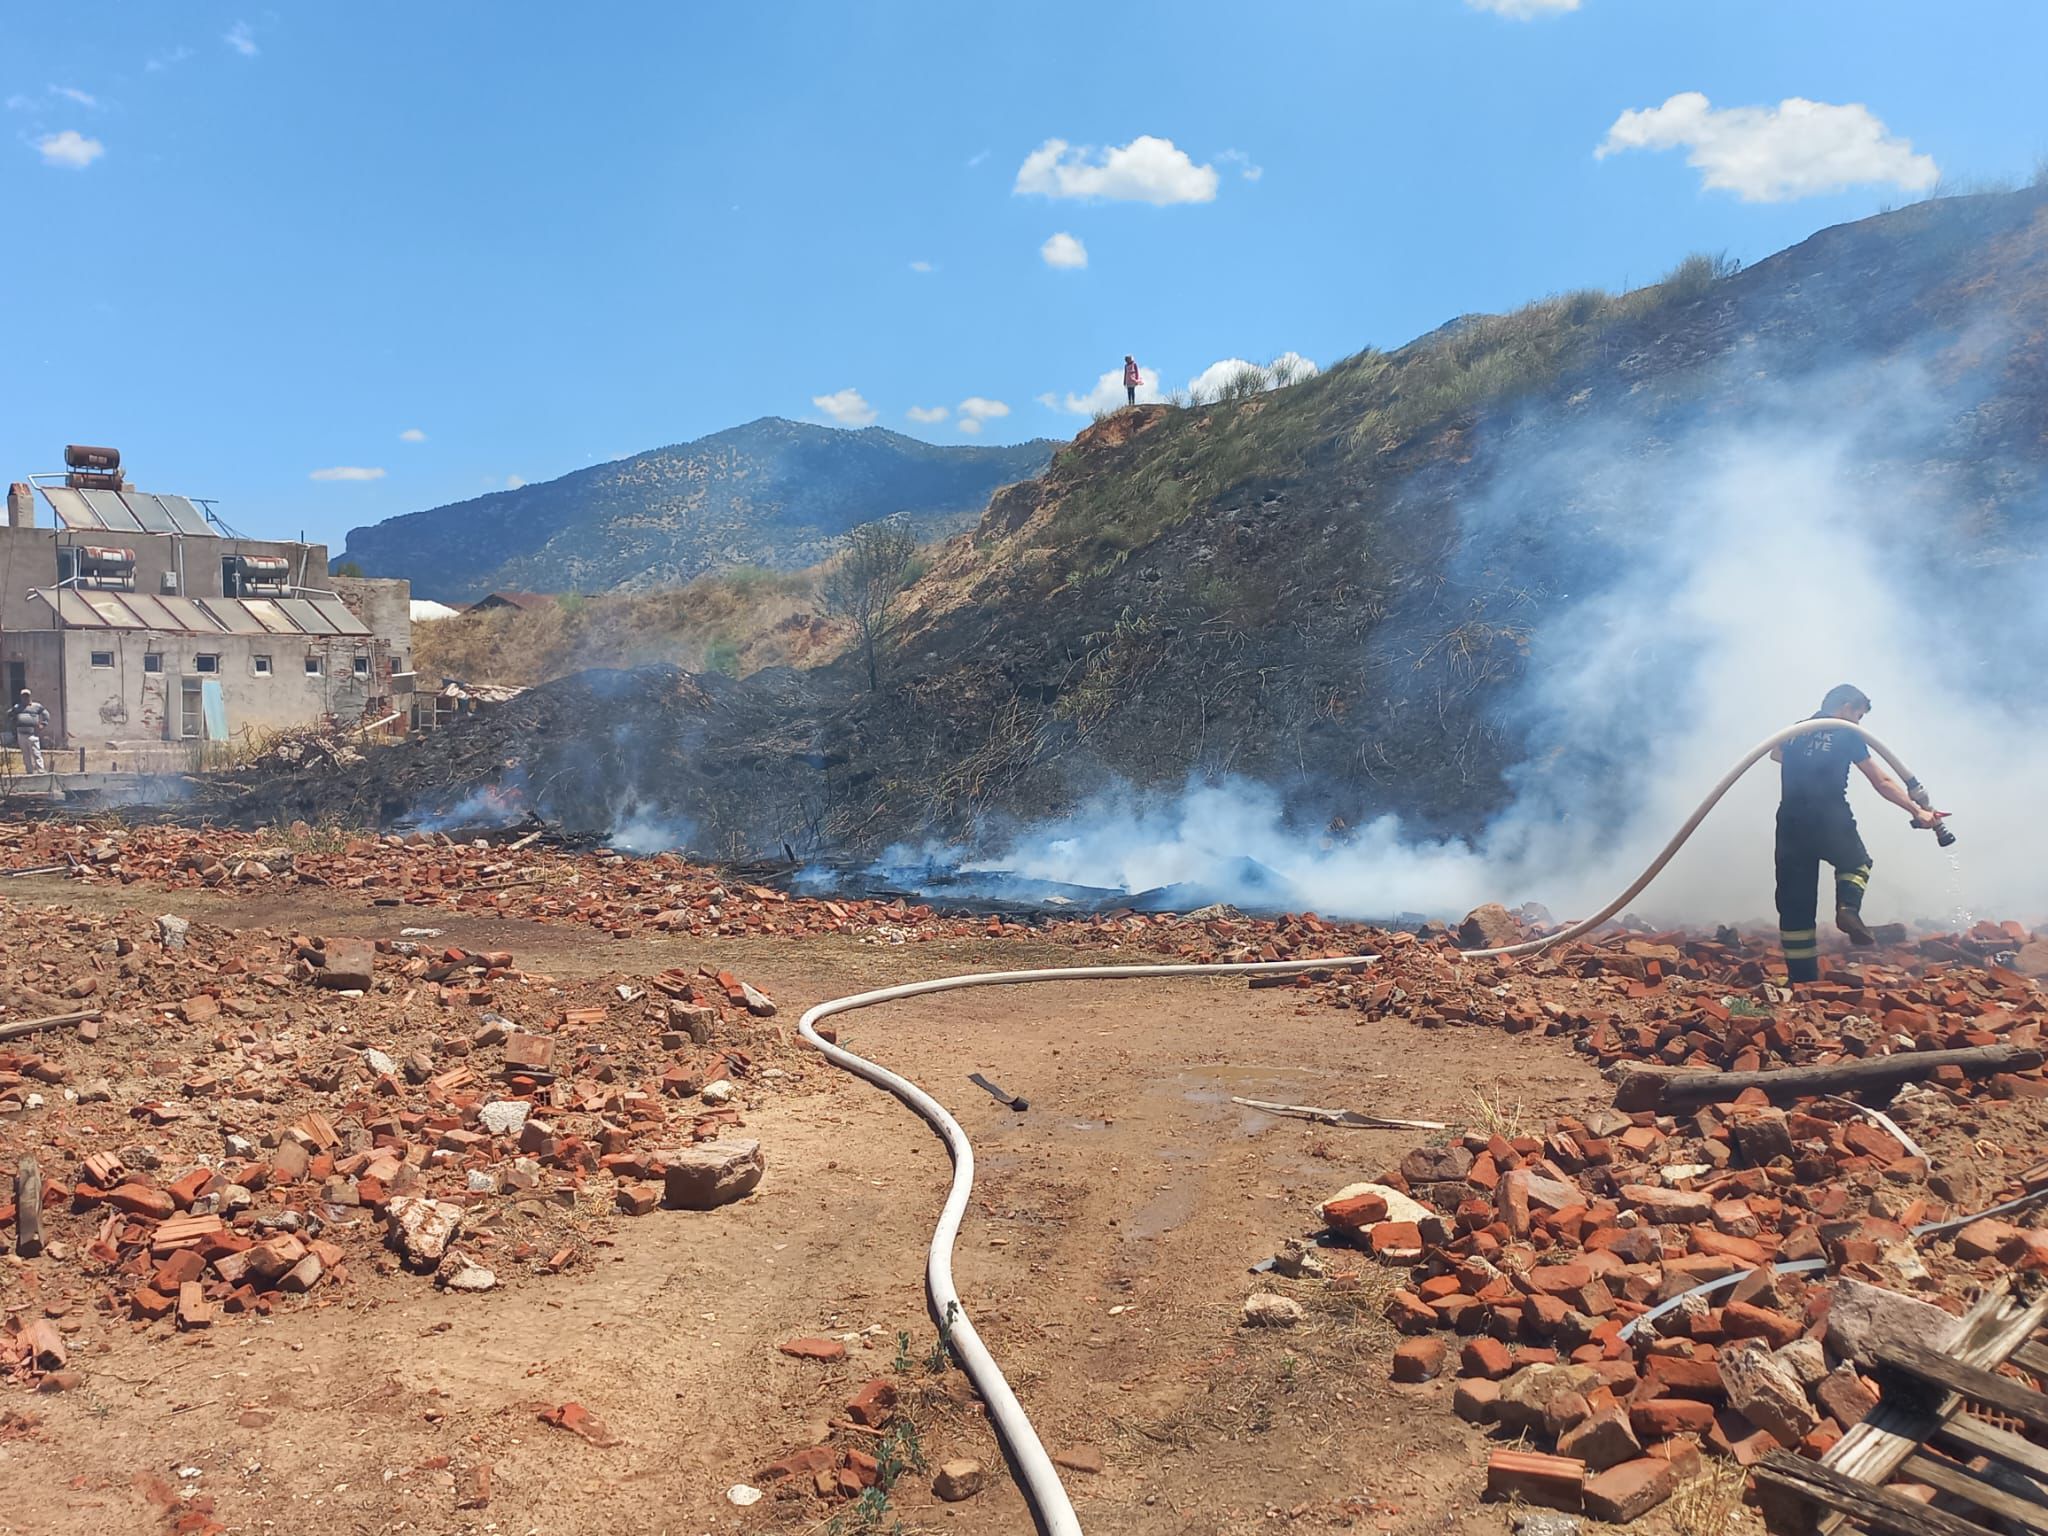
x=1105 y=1259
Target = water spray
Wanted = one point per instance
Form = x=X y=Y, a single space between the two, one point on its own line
x=1037 y=1479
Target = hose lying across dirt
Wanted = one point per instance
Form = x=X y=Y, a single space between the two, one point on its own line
x=1039 y=1481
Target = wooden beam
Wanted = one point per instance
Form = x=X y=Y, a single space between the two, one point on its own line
x=30 y=1026
x=1978 y=1385
x=1874 y=1509
x=2031 y=1357
x=1665 y=1088
x=1952 y=1479
x=1968 y=1436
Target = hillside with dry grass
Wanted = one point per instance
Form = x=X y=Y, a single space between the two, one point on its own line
x=735 y=623
x=1339 y=590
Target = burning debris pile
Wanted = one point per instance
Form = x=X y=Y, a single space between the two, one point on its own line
x=202 y=1123
x=1783 y=1182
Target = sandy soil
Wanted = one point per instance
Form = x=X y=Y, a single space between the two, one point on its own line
x=1104 y=1259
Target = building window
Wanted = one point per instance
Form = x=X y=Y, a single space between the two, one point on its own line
x=260 y=665
x=362 y=666
x=189 y=711
x=153 y=661
x=67 y=565
x=206 y=661
x=103 y=661
x=312 y=666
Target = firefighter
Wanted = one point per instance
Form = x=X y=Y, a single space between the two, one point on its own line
x=1816 y=826
x=31 y=726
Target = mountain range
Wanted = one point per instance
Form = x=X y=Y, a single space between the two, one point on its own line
x=772 y=493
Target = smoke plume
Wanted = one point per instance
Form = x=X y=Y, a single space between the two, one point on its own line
x=1697 y=573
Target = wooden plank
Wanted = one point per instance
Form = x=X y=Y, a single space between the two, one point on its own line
x=1665 y=1088
x=1950 y=1478
x=2032 y=1357
x=1987 y=1334
x=1968 y=1436
x=1973 y=1382
x=1874 y=1509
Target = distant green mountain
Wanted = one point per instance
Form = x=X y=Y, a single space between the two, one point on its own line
x=773 y=493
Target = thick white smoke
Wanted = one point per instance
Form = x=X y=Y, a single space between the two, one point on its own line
x=1827 y=529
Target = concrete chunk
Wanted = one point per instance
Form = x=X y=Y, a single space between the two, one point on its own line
x=712 y=1174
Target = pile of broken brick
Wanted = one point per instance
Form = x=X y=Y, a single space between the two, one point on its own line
x=616 y=894
x=197 y=1122
x=1704 y=1266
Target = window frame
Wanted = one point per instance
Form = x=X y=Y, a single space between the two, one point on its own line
x=261 y=665
x=206 y=663
x=93 y=662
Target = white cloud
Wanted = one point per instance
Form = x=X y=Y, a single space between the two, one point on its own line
x=513 y=482
x=1146 y=170
x=347 y=472
x=1243 y=162
x=1524 y=10
x=846 y=407
x=1064 y=250
x=162 y=61
x=974 y=160
x=1773 y=154
x=74 y=95
x=70 y=149
x=1287 y=368
x=922 y=266
x=412 y=435
x=927 y=414
x=975 y=410
x=242 y=39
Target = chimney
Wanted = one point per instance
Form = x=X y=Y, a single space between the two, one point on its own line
x=21 y=505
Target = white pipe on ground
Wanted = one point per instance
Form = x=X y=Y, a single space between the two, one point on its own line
x=1040 y=1482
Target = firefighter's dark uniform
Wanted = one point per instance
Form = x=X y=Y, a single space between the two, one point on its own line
x=1815 y=825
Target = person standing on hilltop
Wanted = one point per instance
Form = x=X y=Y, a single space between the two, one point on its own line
x=1815 y=825
x=1132 y=379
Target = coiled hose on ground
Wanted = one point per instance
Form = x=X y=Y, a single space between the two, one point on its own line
x=1037 y=1478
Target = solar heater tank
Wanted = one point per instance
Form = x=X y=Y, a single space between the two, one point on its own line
x=81 y=456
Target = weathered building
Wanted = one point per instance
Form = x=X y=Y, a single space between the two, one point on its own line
x=137 y=620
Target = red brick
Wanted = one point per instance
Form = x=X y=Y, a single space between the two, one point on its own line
x=1555 y=1482
x=1487 y=1358
x=1740 y=1320
x=184 y=1265
x=1477 y=1401
x=1355 y=1211
x=874 y=1405
x=1659 y=1418
x=1396 y=1237
x=141 y=1200
x=639 y=1199
x=150 y=1305
x=1633 y=1489
x=813 y=1349
x=1679 y=1376
x=1409 y=1313
x=1419 y=1359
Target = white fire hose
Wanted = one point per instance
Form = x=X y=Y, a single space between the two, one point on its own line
x=1039 y=1482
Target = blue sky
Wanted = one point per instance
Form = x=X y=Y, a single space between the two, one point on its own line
x=248 y=246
